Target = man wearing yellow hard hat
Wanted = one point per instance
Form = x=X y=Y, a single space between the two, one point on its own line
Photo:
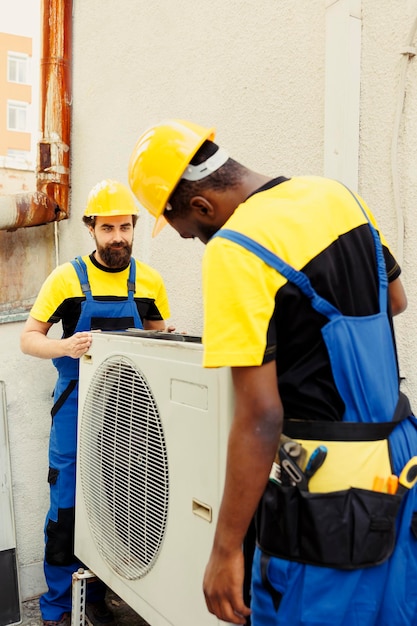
x=299 y=292
x=106 y=290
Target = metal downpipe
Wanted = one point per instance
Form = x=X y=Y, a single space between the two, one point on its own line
x=50 y=202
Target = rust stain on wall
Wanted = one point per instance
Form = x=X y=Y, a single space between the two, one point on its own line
x=26 y=258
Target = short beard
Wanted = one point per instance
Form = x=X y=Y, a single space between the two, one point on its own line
x=115 y=257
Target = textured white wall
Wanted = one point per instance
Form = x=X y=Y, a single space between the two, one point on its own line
x=29 y=383
x=386 y=30
x=255 y=70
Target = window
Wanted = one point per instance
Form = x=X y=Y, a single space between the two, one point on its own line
x=17 y=115
x=18 y=68
x=19 y=159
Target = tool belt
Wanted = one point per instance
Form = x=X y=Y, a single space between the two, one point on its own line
x=339 y=521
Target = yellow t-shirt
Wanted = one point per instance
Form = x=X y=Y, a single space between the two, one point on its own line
x=60 y=296
x=252 y=314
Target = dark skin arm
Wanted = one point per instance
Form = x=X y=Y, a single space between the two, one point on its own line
x=397 y=296
x=253 y=441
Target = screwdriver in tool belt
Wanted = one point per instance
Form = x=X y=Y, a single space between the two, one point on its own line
x=316 y=460
x=408 y=477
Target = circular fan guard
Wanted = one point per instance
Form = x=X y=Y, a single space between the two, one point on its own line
x=124 y=468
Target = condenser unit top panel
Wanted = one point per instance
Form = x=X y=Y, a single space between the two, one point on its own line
x=157 y=334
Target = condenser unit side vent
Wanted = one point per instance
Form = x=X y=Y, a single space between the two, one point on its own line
x=123 y=468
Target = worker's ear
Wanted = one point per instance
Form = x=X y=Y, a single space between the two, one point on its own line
x=90 y=230
x=202 y=206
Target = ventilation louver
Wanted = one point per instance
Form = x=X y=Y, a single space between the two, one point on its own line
x=123 y=468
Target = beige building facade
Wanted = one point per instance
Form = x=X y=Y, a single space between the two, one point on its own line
x=16 y=100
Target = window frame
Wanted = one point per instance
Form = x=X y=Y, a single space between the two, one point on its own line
x=21 y=60
x=18 y=106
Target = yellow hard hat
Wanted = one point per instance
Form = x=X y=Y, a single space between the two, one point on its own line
x=108 y=198
x=160 y=158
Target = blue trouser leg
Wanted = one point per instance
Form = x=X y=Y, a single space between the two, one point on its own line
x=384 y=595
x=60 y=562
x=313 y=596
x=58 y=599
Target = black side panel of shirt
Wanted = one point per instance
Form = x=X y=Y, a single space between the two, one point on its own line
x=69 y=312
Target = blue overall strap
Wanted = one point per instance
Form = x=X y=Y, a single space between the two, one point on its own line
x=292 y=275
x=81 y=269
x=131 y=281
x=380 y=261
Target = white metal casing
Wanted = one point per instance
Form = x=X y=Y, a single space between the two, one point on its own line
x=195 y=406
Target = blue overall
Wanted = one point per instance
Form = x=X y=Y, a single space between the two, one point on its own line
x=60 y=562
x=364 y=367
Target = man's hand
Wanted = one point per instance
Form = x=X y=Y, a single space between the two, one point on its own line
x=223 y=587
x=34 y=341
x=78 y=344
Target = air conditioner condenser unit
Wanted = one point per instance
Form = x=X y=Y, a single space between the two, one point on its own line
x=153 y=426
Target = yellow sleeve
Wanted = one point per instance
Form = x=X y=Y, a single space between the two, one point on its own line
x=239 y=300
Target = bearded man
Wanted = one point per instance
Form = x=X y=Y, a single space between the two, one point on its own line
x=107 y=290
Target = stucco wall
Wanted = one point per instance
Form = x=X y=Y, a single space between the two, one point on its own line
x=388 y=150
x=225 y=64
x=259 y=77
x=28 y=383
x=256 y=71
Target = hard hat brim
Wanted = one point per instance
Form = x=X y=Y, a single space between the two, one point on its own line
x=160 y=223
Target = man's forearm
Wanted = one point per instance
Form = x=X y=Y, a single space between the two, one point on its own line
x=39 y=345
x=36 y=344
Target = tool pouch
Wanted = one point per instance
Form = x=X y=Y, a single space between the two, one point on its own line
x=340 y=522
x=346 y=529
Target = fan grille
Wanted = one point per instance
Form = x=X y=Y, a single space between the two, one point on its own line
x=124 y=468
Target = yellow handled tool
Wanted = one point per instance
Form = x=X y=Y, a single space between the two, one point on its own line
x=408 y=477
x=392 y=484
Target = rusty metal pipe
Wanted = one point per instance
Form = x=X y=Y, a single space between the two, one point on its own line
x=50 y=202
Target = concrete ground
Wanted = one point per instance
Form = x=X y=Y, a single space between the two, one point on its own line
x=124 y=615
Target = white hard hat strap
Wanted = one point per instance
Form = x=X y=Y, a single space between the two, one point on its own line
x=213 y=163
